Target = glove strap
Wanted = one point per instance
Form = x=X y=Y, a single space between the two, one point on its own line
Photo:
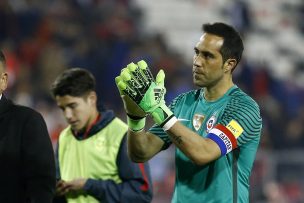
x=162 y=114
x=136 y=123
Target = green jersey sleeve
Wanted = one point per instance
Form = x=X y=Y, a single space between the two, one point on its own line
x=239 y=124
x=242 y=118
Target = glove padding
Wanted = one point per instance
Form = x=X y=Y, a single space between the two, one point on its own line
x=132 y=109
x=138 y=84
x=136 y=117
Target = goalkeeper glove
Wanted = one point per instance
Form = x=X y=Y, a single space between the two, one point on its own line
x=148 y=93
x=136 y=117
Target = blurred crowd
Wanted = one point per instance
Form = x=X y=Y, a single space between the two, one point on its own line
x=41 y=38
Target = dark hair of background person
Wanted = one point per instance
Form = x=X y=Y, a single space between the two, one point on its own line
x=75 y=82
x=2 y=58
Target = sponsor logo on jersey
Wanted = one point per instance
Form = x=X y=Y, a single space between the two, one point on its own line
x=235 y=128
x=100 y=143
x=197 y=121
x=210 y=123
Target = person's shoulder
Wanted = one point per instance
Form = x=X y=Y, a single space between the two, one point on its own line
x=238 y=95
x=117 y=120
x=65 y=132
x=193 y=94
x=25 y=111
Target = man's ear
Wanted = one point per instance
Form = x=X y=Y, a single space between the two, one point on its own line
x=3 y=81
x=92 y=98
x=229 y=65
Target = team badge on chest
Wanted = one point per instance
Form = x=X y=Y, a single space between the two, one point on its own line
x=197 y=121
x=210 y=123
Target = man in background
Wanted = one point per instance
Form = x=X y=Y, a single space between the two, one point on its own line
x=27 y=165
x=93 y=165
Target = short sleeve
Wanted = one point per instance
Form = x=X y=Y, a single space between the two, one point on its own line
x=239 y=124
x=242 y=118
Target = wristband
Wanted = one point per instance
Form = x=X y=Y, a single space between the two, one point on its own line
x=136 y=124
x=169 y=123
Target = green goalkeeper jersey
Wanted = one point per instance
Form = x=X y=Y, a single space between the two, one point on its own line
x=234 y=123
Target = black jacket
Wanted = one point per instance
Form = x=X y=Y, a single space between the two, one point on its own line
x=27 y=166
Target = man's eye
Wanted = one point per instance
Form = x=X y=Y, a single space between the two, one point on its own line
x=207 y=55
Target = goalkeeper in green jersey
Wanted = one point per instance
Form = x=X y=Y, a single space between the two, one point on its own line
x=215 y=128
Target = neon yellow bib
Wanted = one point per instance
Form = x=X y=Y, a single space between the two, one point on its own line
x=94 y=157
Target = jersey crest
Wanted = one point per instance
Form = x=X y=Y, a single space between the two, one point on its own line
x=210 y=123
x=197 y=121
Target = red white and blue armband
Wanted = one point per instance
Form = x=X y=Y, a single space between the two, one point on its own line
x=223 y=137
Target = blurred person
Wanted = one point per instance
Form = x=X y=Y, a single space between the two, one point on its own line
x=26 y=153
x=216 y=128
x=240 y=15
x=93 y=165
x=274 y=193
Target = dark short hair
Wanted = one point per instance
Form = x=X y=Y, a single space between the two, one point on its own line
x=76 y=82
x=232 y=47
x=2 y=57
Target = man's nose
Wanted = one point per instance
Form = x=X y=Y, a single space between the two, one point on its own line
x=67 y=114
x=198 y=60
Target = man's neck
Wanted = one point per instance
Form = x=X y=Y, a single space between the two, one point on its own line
x=85 y=131
x=215 y=92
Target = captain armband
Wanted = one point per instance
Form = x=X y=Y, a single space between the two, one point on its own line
x=223 y=138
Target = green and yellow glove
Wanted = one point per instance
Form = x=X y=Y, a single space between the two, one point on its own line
x=137 y=82
x=136 y=117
